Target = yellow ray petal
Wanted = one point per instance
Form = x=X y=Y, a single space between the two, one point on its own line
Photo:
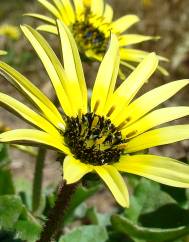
x=27 y=113
x=97 y=7
x=136 y=55
x=129 y=88
x=41 y=17
x=123 y=23
x=108 y=13
x=106 y=78
x=64 y=15
x=50 y=7
x=155 y=118
x=156 y=137
x=160 y=169
x=148 y=101
x=52 y=66
x=35 y=136
x=48 y=28
x=32 y=93
x=79 y=7
x=74 y=170
x=69 y=10
x=130 y=39
x=73 y=68
x=115 y=183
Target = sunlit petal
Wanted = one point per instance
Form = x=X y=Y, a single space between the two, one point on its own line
x=156 y=137
x=115 y=183
x=160 y=169
x=74 y=170
x=34 y=136
x=156 y=118
x=106 y=78
x=73 y=68
x=149 y=100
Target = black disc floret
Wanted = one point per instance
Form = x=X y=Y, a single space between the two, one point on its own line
x=93 y=139
x=89 y=37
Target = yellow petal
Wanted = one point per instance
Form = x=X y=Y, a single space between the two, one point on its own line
x=69 y=10
x=108 y=13
x=130 y=39
x=73 y=68
x=27 y=113
x=79 y=7
x=149 y=100
x=158 y=137
x=41 y=17
x=74 y=170
x=123 y=23
x=155 y=118
x=32 y=93
x=48 y=28
x=63 y=13
x=50 y=7
x=97 y=7
x=160 y=169
x=136 y=55
x=52 y=66
x=34 y=136
x=115 y=183
x=129 y=88
x=106 y=78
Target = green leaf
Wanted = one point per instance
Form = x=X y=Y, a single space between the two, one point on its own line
x=4 y=156
x=24 y=189
x=125 y=226
x=144 y=199
x=10 y=210
x=7 y=236
x=98 y=218
x=167 y=216
x=6 y=182
x=87 y=233
x=27 y=231
x=179 y=194
x=78 y=198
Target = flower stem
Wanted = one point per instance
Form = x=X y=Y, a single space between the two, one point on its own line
x=38 y=177
x=56 y=215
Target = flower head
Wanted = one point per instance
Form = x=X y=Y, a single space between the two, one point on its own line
x=2 y=52
x=10 y=31
x=109 y=136
x=91 y=23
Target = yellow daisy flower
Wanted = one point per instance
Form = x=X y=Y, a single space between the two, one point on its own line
x=2 y=52
x=106 y=134
x=10 y=31
x=91 y=23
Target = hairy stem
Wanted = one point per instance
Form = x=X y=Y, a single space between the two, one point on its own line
x=56 y=215
x=38 y=178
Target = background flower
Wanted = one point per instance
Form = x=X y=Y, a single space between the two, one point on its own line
x=91 y=23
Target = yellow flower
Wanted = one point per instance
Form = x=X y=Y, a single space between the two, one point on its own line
x=10 y=31
x=106 y=134
x=2 y=52
x=147 y=3
x=91 y=23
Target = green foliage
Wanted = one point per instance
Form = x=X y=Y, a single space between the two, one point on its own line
x=4 y=156
x=125 y=226
x=10 y=210
x=88 y=233
x=78 y=198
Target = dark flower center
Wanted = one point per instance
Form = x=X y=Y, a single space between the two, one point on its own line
x=93 y=139
x=89 y=37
